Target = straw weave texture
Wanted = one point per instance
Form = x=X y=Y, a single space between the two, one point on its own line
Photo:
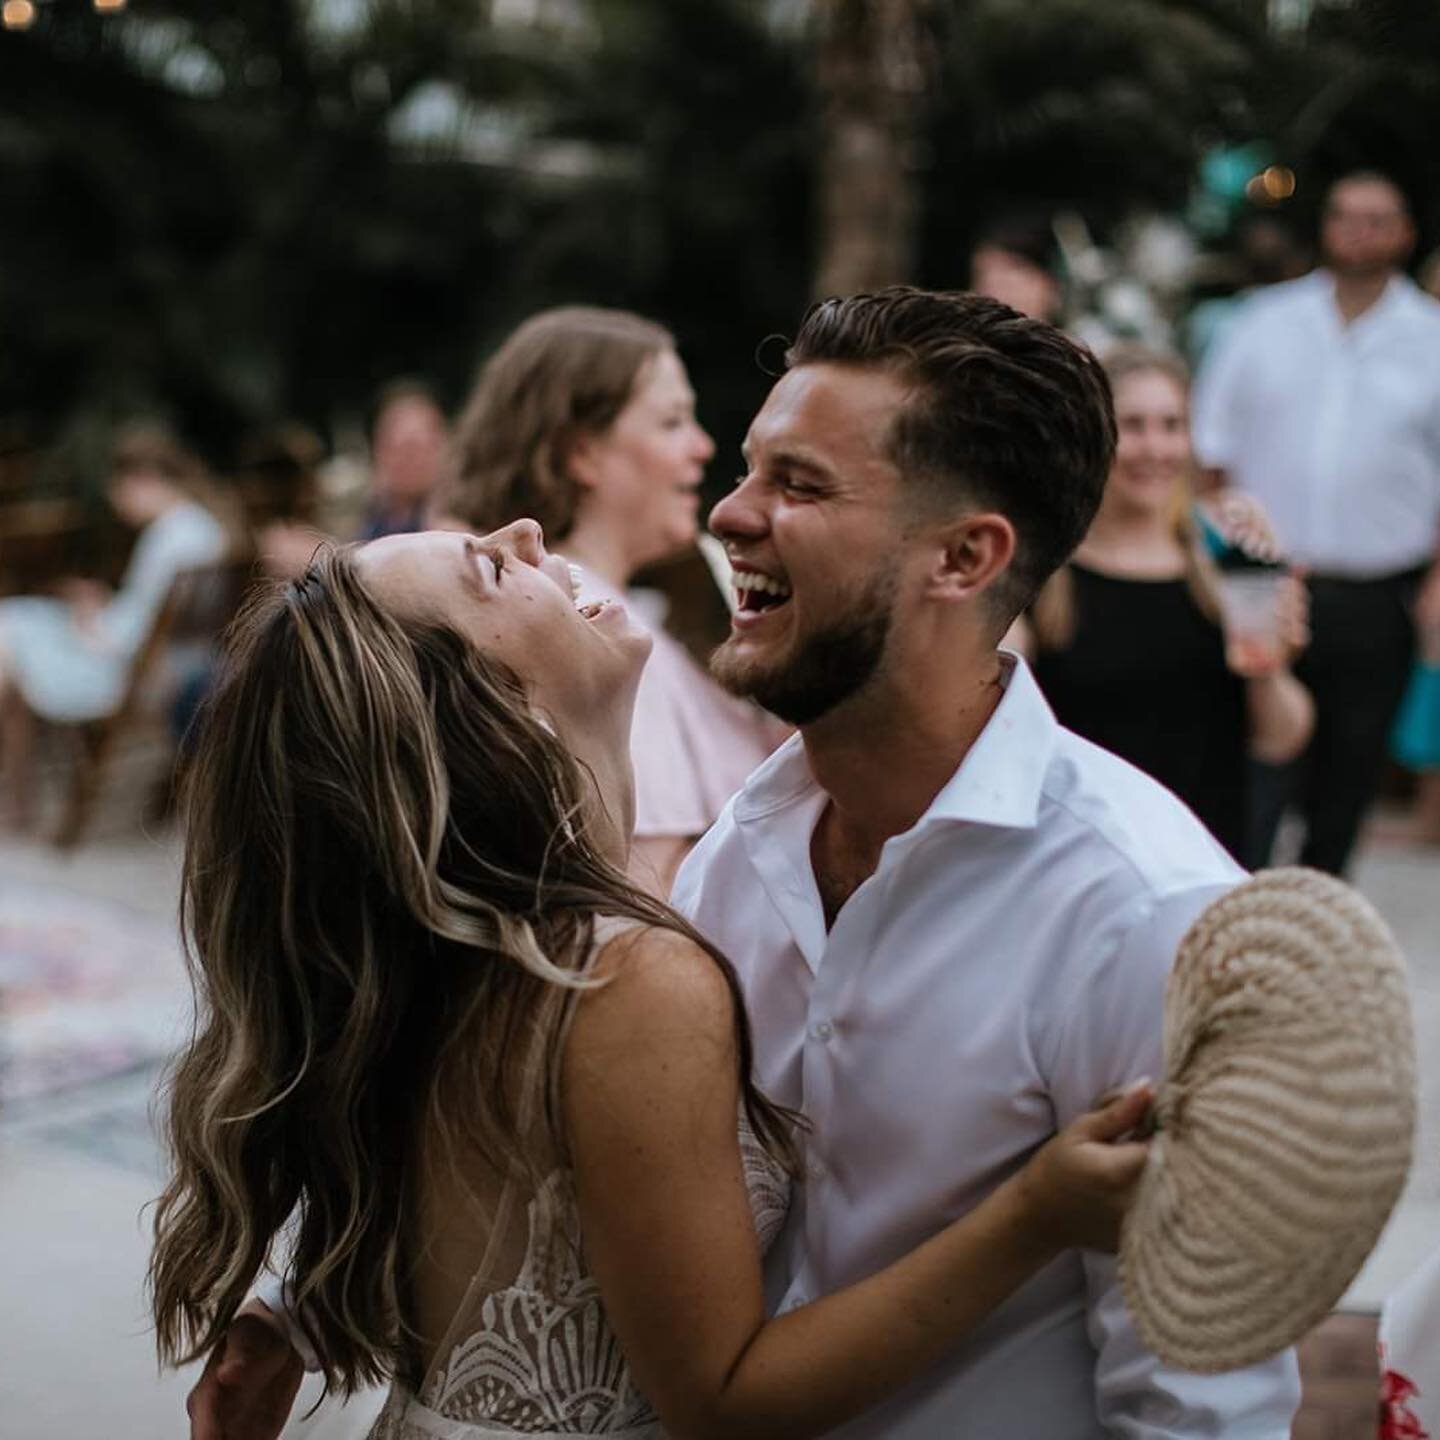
x=1285 y=1122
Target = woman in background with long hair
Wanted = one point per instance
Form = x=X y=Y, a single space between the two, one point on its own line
x=584 y=420
x=484 y=1101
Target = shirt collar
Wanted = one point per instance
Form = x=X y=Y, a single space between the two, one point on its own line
x=1395 y=299
x=998 y=783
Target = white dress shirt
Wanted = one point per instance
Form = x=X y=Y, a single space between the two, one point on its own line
x=1334 y=428
x=1003 y=966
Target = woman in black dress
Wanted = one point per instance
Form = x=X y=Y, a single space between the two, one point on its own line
x=1126 y=639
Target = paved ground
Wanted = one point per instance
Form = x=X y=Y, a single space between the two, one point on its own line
x=76 y=1360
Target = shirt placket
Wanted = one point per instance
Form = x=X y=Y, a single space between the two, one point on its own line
x=831 y=1044
x=1328 y=458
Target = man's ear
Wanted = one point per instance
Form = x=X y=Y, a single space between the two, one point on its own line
x=970 y=556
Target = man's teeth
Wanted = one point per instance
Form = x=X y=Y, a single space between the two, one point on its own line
x=749 y=580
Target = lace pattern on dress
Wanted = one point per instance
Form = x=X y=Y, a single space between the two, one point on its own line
x=539 y=1358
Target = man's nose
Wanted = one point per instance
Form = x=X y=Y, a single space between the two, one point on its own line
x=739 y=515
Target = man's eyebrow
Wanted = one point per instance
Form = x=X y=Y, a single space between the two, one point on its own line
x=800 y=460
x=791 y=459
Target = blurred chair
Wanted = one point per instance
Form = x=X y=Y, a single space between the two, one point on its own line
x=39 y=541
x=200 y=604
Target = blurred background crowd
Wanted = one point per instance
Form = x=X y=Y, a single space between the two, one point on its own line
x=257 y=252
x=275 y=271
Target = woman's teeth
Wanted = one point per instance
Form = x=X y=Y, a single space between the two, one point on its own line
x=576 y=579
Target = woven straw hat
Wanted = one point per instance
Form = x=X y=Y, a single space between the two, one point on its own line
x=1285 y=1122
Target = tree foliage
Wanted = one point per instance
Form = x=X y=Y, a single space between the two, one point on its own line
x=243 y=211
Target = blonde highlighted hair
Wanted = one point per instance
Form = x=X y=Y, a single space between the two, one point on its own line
x=389 y=891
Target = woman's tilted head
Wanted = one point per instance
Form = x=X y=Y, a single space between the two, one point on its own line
x=392 y=864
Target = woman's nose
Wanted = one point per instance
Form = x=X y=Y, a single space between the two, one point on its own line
x=526 y=539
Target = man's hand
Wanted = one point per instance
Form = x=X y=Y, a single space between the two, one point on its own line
x=249 y=1382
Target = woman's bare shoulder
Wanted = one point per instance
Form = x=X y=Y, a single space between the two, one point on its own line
x=658 y=978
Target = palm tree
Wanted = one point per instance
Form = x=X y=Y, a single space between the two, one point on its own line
x=872 y=65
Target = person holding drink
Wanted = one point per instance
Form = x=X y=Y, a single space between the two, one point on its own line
x=1171 y=652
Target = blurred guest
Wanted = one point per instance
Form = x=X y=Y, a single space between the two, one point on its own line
x=1410 y=1356
x=408 y=436
x=1266 y=253
x=1429 y=275
x=1324 y=403
x=1012 y=261
x=1127 y=638
x=68 y=659
x=584 y=420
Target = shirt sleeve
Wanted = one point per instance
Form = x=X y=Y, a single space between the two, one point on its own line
x=276 y=1296
x=1113 y=1039
x=1218 y=398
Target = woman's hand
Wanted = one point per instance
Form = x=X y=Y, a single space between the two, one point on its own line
x=1242 y=520
x=1077 y=1187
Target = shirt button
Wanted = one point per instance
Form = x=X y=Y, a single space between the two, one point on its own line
x=822 y=1032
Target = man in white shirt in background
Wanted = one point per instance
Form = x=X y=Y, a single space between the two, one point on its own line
x=1323 y=402
x=952 y=919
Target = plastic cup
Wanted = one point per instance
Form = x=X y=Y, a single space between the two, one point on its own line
x=1250 y=618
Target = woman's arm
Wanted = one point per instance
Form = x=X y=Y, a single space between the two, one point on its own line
x=1280 y=709
x=651 y=1101
x=1282 y=716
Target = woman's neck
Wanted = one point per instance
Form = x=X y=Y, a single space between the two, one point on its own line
x=603 y=753
x=1142 y=543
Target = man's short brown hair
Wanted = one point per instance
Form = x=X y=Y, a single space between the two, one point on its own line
x=1007 y=413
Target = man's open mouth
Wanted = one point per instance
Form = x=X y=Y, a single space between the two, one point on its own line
x=755 y=592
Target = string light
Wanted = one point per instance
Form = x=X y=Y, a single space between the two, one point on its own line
x=1272 y=185
x=1279 y=181
x=109 y=6
x=18 y=14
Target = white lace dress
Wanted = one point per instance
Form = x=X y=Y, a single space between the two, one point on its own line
x=537 y=1357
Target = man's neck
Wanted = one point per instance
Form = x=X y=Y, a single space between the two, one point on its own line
x=1357 y=291
x=883 y=757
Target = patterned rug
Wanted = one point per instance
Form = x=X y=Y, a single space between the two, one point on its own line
x=92 y=993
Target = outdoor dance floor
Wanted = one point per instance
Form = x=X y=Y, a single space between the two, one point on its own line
x=91 y=1000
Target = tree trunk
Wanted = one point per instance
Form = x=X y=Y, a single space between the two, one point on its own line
x=872 y=66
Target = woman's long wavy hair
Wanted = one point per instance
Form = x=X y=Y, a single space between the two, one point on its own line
x=389 y=890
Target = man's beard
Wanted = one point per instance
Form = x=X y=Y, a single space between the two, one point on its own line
x=829 y=666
